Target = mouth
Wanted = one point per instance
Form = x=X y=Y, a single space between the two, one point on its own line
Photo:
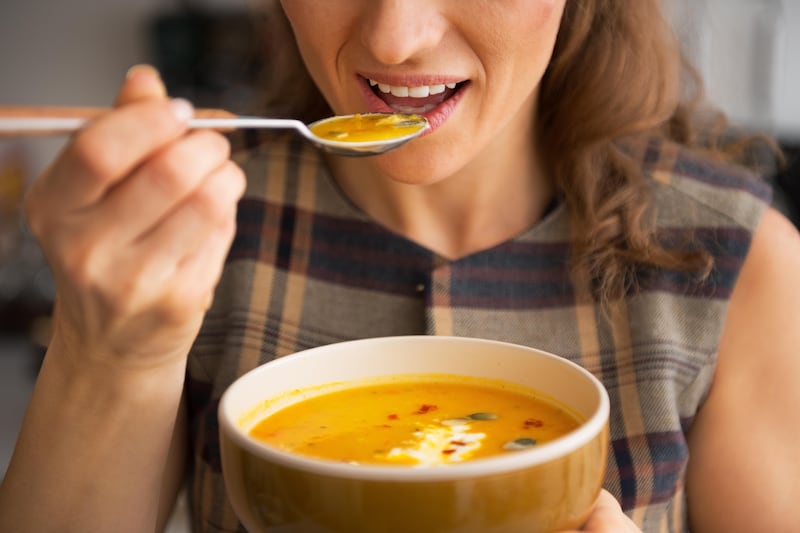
x=435 y=101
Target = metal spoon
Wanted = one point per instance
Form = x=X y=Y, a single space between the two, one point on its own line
x=31 y=121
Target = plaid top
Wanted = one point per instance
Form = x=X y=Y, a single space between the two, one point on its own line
x=308 y=268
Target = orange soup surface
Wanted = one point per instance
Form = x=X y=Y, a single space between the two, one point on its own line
x=369 y=127
x=420 y=422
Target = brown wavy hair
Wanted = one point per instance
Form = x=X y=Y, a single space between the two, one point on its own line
x=617 y=71
x=614 y=73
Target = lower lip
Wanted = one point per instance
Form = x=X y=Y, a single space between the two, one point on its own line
x=436 y=117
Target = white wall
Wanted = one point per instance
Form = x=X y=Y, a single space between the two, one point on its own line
x=787 y=104
x=749 y=54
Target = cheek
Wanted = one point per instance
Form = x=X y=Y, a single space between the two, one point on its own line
x=516 y=33
x=538 y=28
x=320 y=29
x=311 y=27
x=306 y=26
x=526 y=43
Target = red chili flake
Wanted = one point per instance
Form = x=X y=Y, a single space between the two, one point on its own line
x=383 y=426
x=448 y=451
x=533 y=423
x=392 y=417
x=425 y=408
x=458 y=443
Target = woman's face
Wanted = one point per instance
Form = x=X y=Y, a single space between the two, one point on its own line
x=472 y=67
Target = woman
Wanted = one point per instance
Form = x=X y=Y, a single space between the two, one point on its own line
x=559 y=201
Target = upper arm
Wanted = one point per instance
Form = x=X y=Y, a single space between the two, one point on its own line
x=175 y=470
x=744 y=465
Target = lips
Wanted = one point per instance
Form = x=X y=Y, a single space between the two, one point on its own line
x=435 y=101
x=413 y=99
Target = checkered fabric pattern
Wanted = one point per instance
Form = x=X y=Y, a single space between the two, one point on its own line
x=308 y=268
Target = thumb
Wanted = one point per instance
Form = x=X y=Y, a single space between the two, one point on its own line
x=142 y=82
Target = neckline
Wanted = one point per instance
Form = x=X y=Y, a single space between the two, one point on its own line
x=550 y=227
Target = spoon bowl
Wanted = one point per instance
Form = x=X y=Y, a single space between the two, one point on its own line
x=356 y=135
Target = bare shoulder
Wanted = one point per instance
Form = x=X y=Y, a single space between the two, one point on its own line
x=744 y=468
x=770 y=271
x=766 y=299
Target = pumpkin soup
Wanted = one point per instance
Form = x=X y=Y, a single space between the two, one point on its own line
x=418 y=420
x=369 y=127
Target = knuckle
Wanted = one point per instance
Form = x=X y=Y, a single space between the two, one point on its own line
x=234 y=180
x=138 y=291
x=212 y=147
x=180 y=304
x=157 y=116
x=228 y=226
x=80 y=265
x=180 y=167
x=237 y=178
x=128 y=292
x=152 y=116
x=171 y=173
x=217 y=197
x=207 y=202
x=95 y=159
x=84 y=257
x=217 y=143
x=223 y=234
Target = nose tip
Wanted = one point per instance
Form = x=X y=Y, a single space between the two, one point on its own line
x=394 y=31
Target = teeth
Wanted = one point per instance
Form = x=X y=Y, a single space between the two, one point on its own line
x=421 y=91
x=399 y=91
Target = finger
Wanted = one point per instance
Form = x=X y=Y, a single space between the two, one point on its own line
x=607 y=515
x=186 y=288
x=162 y=183
x=110 y=148
x=185 y=230
x=161 y=254
x=142 y=82
x=607 y=505
x=205 y=268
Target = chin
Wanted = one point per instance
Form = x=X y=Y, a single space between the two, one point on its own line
x=410 y=169
x=418 y=163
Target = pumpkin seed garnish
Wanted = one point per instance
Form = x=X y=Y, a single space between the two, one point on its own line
x=483 y=416
x=519 y=444
x=455 y=421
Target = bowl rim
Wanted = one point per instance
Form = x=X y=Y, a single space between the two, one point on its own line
x=523 y=459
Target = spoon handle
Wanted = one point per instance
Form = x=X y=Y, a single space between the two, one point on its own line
x=26 y=121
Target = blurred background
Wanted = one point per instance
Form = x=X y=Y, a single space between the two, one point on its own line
x=77 y=52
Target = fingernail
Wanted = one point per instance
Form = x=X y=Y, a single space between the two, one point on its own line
x=182 y=109
x=141 y=68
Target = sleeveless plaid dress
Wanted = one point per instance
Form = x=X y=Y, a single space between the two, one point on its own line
x=307 y=268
